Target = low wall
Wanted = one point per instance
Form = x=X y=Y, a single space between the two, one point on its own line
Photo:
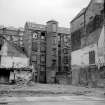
x=88 y=76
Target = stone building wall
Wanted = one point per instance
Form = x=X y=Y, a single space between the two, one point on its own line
x=44 y=49
x=86 y=29
x=51 y=51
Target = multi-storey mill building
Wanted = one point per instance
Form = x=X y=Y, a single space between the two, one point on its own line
x=49 y=49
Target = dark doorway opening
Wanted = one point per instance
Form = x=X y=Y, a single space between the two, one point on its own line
x=4 y=76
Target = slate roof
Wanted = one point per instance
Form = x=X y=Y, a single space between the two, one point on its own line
x=79 y=14
x=82 y=11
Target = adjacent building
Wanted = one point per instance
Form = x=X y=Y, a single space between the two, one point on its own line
x=87 y=28
x=12 y=34
x=48 y=47
x=88 y=37
x=12 y=58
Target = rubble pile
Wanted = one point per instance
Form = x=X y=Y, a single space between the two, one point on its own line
x=30 y=83
x=21 y=81
x=22 y=78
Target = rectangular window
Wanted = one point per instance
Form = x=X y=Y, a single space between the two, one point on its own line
x=43 y=35
x=66 y=61
x=34 y=46
x=92 y=57
x=43 y=63
x=54 y=27
x=15 y=38
x=59 y=39
x=65 y=39
x=8 y=37
x=42 y=48
x=34 y=58
x=54 y=51
x=54 y=41
x=42 y=58
x=42 y=68
x=21 y=33
x=54 y=62
x=66 y=68
x=65 y=51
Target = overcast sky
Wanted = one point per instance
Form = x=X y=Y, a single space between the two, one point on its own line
x=17 y=12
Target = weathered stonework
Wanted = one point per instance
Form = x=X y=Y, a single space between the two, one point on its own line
x=42 y=49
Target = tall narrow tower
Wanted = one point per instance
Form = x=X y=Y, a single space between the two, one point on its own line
x=51 y=51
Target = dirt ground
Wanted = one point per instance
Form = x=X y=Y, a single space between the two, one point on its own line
x=36 y=89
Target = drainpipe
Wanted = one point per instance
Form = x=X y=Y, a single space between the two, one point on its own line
x=104 y=35
x=85 y=33
x=104 y=42
x=13 y=70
